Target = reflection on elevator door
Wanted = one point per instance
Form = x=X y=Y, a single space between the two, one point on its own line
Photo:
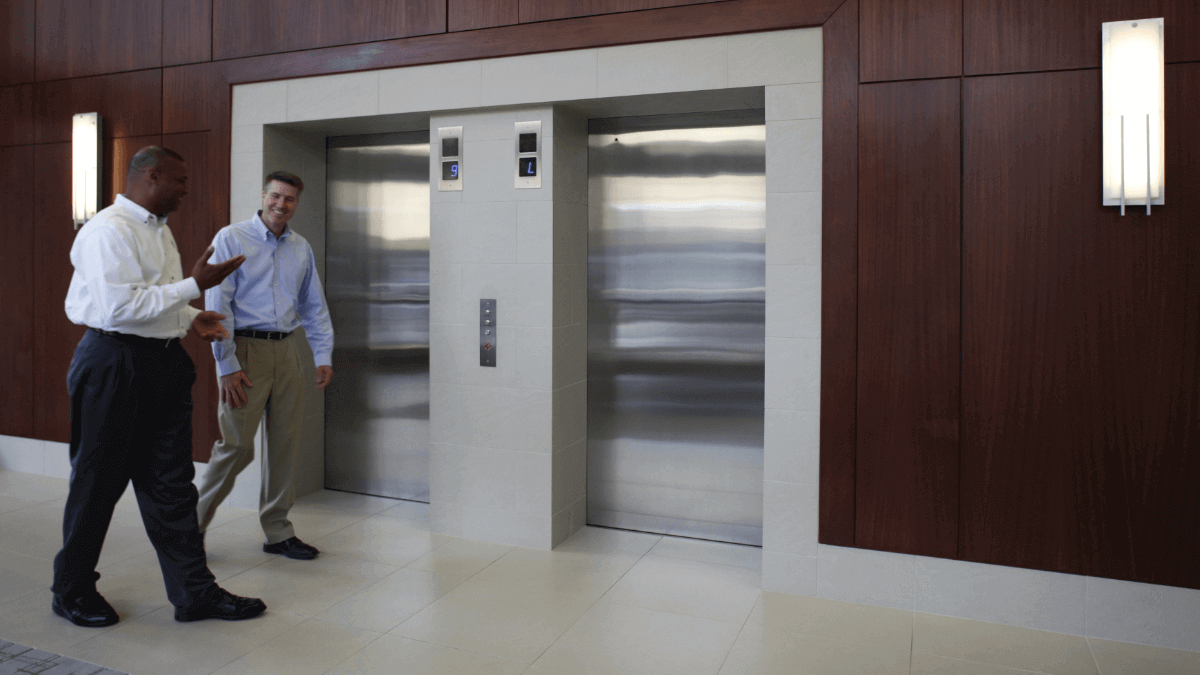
x=377 y=272
x=676 y=324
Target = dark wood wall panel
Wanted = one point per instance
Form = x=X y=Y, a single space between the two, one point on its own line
x=671 y=23
x=1081 y=341
x=16 y=41
x=1161 y=461
x=473 y=14
x=550 y=10
x=75 y=39
x=269 y=26
x=16 y=291
x=196 y=97
x=910 y=39
x=839 y=270
x=54 y=337
x=194 y=226
x=1031 y=209
x=129 y=103
x=186 y=31
x=908 y=317
x=1009 y=36
x=16 y=115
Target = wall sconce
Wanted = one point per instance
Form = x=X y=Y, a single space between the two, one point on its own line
x=85 y=166
x=1134 y=142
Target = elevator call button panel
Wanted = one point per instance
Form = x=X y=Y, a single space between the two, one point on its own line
x=450 y=159
x=487 y=332
x=529 y=155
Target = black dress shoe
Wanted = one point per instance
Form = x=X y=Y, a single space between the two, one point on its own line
x=89 y=610
x=292 y=548
x=221 y=604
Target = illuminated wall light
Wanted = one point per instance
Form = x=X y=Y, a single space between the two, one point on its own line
x=1133 y=83
x=85 y=167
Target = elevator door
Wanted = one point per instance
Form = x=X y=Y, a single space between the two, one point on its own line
x=377 y=282
x=676 y=325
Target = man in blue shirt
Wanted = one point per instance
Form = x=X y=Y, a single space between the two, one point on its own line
x=275 y=292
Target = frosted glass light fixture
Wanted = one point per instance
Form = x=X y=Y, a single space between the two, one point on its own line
x=1134 y=143
x=85 y=167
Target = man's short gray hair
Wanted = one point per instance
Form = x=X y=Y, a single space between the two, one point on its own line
x=148 y=158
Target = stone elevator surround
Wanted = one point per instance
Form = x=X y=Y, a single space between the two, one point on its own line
x=508 y=444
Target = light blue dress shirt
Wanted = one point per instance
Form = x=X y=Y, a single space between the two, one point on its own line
x=276 y=289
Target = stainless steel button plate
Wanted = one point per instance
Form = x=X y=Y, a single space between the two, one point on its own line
x=487 y=336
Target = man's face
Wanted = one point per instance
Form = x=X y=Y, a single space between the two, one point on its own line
x=279 y=203
x=170 y=181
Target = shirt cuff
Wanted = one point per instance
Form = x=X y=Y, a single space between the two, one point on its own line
x=188 y=289
x=228 y=365
x=322 y=360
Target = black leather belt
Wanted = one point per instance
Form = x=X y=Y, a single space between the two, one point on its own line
x=138 y=340
x=261 y=334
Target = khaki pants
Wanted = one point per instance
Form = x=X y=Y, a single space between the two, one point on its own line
x=273 y=366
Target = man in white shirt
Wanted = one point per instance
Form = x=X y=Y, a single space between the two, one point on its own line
x=131 y=405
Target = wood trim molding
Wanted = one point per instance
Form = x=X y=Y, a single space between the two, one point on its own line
x=839 y=278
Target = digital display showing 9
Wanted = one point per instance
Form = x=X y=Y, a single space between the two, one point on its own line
x=450 y=170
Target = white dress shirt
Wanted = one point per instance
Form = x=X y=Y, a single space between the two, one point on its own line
x=127 y=275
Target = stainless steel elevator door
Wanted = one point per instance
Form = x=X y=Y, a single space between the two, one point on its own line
x=377 y=283
x=676 y=324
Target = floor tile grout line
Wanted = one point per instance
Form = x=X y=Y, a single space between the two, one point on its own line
x=912 y=640
x=597 y=600
x=1020 y=671
x=840 y=641
x=456 y=586
x=741 y=630
x=440 y=646
x=705 y=562
x=414 y=569
x=1091 y=651
x=348 y=656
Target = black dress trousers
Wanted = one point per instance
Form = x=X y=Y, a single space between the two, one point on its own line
x=131 y=420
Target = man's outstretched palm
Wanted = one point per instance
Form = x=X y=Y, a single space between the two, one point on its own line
x=208 y=326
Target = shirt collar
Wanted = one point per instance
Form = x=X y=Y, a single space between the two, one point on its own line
x=265 y=232
x=139 y=211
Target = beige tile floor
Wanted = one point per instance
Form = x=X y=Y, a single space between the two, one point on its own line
x=388 y=596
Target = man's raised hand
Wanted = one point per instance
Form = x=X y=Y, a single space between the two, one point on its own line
x=207 y=276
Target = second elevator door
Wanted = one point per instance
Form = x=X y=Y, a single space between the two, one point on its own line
x=676 y=324
x=377 y=282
